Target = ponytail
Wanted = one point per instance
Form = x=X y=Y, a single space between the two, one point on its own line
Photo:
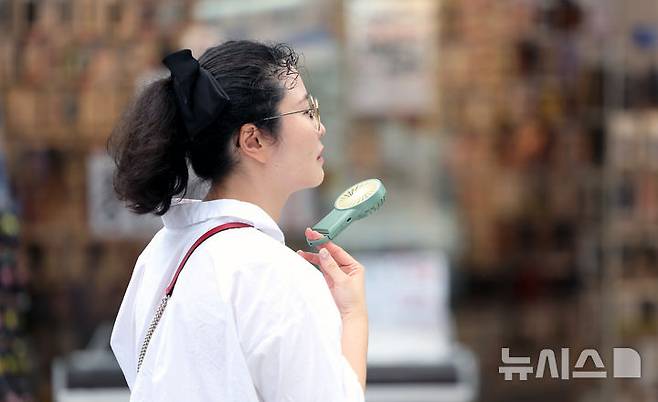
x=149 y=148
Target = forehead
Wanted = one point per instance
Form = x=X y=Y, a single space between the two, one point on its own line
x=295 y=92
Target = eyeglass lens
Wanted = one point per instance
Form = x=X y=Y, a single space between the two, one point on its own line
x=315 y=105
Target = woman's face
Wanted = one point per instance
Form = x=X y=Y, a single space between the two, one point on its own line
x=296 y=159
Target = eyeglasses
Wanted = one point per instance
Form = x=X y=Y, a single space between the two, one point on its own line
x=313 y=111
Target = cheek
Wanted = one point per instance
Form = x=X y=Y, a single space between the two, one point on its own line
x=298 y=146
x=289 y=158
x=298 y=149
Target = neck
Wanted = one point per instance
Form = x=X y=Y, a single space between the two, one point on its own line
x=244 y=188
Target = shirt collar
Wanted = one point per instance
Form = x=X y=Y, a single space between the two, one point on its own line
x=187 y=212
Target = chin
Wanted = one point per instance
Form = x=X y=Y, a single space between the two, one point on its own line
x=310 y=178
x=316 y=181
x=320 y=179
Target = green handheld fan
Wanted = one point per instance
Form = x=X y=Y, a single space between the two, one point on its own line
x=353 y=204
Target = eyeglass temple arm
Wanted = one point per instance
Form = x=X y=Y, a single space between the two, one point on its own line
x=287 y=113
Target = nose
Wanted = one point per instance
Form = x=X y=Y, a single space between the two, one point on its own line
x=323 y=130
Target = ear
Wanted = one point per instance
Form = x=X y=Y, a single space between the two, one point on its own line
x=253 y=143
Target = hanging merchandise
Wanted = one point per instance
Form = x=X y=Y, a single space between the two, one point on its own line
x=392 y=49
x=15 y=362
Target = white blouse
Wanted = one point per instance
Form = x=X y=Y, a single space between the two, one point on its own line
x=249 y=319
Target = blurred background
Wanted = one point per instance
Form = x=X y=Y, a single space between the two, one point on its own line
x=517 y=139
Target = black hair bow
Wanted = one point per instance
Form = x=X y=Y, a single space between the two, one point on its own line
x=200 y=97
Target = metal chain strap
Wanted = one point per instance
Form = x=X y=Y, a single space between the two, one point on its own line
x=154 y=323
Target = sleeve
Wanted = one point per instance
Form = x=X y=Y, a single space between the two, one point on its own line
x=291 y=337
x=124 y=331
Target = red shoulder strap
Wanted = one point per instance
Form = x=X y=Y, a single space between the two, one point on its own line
x=204 y=237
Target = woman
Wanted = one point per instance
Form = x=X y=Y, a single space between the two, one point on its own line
x=246 y=318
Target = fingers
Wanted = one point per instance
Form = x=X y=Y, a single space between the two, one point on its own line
x=313 y=258
x=341 y=256
x=330 y=267
x=327 y=264
x=312 y=234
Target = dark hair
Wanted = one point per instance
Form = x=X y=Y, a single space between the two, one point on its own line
x=150 y=145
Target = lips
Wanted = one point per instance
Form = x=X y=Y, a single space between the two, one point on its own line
x=320 y=155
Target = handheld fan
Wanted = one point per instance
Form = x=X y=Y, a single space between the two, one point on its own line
x=353 y=204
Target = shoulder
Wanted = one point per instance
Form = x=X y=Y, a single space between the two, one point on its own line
x=250 y=258
x=249 y=249
x=153 y=244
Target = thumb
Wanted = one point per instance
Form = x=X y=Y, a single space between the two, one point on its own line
x=329 y=266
